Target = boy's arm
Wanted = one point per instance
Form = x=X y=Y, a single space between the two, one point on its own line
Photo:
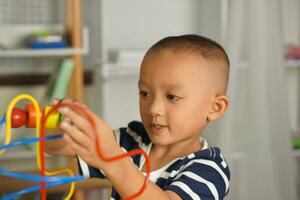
x=132 y=180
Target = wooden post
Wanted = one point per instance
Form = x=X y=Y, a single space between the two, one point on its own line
x=74 y=31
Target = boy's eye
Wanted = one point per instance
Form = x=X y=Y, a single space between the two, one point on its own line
x=144 y=93
x=173 y=98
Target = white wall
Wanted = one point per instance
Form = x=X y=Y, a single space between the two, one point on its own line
x=137 y=24
x=291 y=21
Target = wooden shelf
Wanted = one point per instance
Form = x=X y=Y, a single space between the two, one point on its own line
x=25 y=52
x=41 y=53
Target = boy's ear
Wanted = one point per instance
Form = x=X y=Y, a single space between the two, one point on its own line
x=218 y=108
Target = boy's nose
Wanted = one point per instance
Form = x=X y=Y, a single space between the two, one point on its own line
x=157 y=108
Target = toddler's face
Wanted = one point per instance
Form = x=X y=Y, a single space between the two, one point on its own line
x=176 y=96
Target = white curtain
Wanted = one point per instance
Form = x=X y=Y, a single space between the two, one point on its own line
x=255 y=132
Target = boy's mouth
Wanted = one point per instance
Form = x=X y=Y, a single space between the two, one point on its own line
x=157 y=128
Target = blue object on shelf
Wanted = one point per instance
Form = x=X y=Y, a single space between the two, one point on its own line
x=47 y=45
x=46 y=39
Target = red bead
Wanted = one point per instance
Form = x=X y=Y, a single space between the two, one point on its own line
x=18 y=117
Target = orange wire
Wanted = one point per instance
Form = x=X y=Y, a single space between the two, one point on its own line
x=97 y=143
x=42 y=144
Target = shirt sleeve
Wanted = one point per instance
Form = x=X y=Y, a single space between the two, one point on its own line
x=200 y=179
x=92 y=172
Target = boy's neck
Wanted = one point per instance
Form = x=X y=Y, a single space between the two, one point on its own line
x=162 y=155
x=177 y=150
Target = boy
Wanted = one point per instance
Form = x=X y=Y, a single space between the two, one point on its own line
x=182 y=86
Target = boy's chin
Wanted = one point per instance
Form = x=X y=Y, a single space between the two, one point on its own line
x=160 y=141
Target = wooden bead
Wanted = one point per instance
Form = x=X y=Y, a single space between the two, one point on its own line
x=18 y=117
x=31 y=122
x=53 y=119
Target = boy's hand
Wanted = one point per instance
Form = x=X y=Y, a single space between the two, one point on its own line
x=80 y=136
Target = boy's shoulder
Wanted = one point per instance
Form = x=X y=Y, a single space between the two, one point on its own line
x=200 y=170
x=209 y=156
x=210 y=153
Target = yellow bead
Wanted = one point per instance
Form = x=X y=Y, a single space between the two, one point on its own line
x=53 y=119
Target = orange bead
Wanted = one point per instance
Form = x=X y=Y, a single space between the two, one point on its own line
x=52 y=120
x=31 y=122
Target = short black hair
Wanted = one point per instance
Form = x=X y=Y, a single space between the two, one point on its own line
x=196 y=44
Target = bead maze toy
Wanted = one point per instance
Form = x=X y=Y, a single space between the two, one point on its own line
x=33 y=116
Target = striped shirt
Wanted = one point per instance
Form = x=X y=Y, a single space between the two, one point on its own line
x=200 y=175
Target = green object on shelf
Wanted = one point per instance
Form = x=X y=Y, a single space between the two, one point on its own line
x=296 y=143
x=57 y=86
x=63 y=79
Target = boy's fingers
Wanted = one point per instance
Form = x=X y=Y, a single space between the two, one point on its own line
x=67 y=120
x=77 y=119
x=76 y=102
x=74 y=145
x=55 y=101
x=70 y=100
x=75 y=134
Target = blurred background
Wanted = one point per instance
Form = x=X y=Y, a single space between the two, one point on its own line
x=106 y=40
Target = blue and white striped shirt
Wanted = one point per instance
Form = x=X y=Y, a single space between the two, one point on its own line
x=200 y=175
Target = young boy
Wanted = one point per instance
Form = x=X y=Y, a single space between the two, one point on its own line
x=182 y=86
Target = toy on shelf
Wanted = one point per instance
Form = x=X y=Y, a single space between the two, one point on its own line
x=47 y=39
x=33 y=116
